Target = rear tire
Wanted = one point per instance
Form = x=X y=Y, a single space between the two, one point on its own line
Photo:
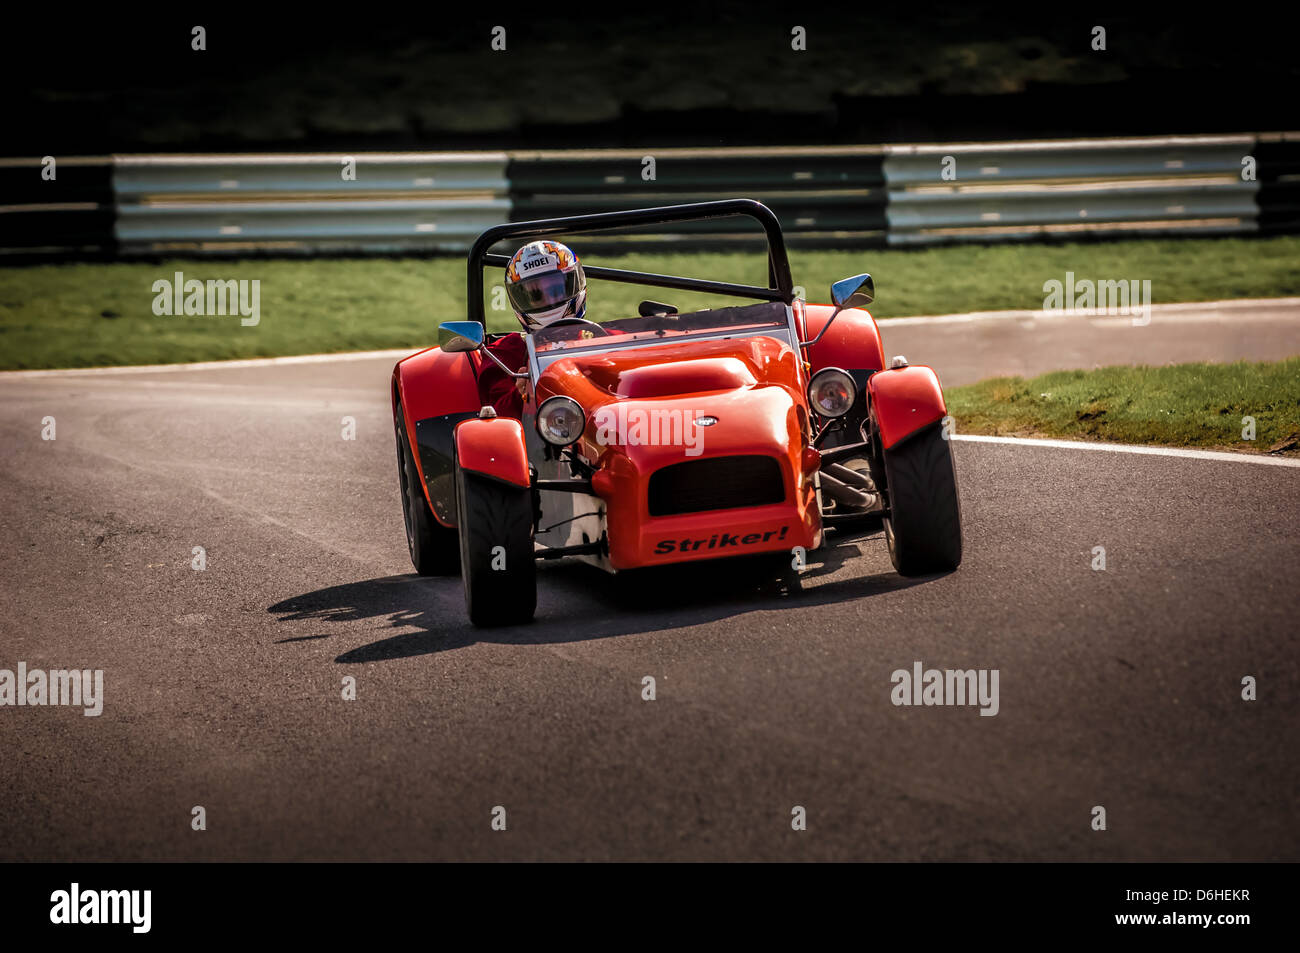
x=923 y=528
x=433 y=548
x=497 y=563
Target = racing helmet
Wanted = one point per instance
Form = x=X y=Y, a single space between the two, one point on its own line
x=545 y=283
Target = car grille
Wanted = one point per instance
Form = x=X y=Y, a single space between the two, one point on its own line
x=718 y=483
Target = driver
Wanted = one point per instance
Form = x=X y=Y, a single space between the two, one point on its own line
x=545 y=284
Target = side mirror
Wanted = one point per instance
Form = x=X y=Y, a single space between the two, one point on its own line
x=855 y=292
x=455 y=336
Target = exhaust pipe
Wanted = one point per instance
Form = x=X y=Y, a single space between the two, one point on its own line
x=847 y=496
x=853 y=478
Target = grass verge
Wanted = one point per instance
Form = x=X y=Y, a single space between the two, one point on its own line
x=1187 y=405
x=91 y=314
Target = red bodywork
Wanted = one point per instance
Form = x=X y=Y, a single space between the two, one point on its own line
x=852 y=343
x=905 y=399
x=753 y=386
x=493 y=447
x=431 y=382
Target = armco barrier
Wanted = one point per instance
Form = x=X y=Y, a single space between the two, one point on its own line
x=983 y=192
x=369 y=225
x=138 y=177
x=834 y=193
x=843 y=196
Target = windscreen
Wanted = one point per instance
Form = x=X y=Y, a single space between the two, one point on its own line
x=754 y=318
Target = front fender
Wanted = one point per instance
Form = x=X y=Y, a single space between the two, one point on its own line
x=493 y=447
x=905 y=399
x=437 y=389
x=852 y=341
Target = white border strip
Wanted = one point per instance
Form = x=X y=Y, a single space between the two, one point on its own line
x=1133 y=448
x=1194 y=310
x=393 y=354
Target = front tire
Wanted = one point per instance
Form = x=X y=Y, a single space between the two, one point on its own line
x=497 y=563
x=923 y=528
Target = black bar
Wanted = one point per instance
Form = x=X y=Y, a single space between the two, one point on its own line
x=581 y=549
x=799 y=211
x=924 y=905
x=834 y=519
x=75 y=180
x=836 y=454
x=67 y=226
x=1278 y=197
x=625 y=243
x=1277 y=159
x=778 y=262
x=564 y=486
x=664 y=281
x=567 y=174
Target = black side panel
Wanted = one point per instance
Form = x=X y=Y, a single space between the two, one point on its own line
x=60 y=226
x=437 y=453
x=85 y=181
x=73 y=212
x=1279 y=186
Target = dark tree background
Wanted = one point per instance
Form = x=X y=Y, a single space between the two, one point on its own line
x=575 y=75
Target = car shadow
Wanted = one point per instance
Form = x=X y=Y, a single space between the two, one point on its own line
x=578 y=602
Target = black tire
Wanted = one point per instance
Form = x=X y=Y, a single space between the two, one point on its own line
x=434 y=549
x=493 y=514
x=923 y=528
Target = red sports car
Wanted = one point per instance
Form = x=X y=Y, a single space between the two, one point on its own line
x=667 y=437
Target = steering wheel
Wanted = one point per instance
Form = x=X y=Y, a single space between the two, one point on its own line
x=556 y=324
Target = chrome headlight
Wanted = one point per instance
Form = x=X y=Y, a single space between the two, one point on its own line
x=560 y=421
x=831 y=392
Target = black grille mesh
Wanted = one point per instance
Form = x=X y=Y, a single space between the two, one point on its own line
x=718 y=483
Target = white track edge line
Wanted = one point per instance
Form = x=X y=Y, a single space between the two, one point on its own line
x=1171 y=309
x=1134 y=448
x=392 y=354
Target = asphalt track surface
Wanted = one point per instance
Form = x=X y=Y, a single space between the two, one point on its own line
x=1119 y=688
